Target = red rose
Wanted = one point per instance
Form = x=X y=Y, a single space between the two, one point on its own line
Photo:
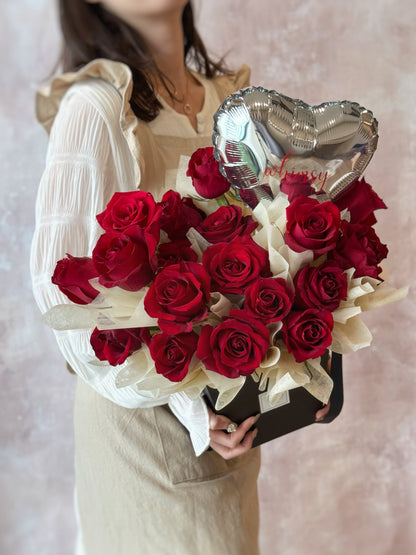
x=178 y=297
x=360 y=248
x=323 y=286
x=72 y=275
x=226 y=223
x=307 y=333
x=312 y=225
x=361 y=201
x=235 y=347
x=178 y=215
x=268 y=299
x=116 y=345
x=174 y=252
x=126 y=209
x=295 y=185
x=205 y=173
x=173 y=353
x=126 y=260
x=235 y=265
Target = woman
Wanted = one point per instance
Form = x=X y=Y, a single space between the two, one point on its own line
x=120 y=120
x=117 y=124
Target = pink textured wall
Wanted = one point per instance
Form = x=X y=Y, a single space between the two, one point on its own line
x=347 y=487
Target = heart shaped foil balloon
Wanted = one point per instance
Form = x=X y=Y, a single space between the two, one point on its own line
x=261 y=136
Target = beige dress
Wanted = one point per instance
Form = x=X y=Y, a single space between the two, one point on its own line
x=140 y=487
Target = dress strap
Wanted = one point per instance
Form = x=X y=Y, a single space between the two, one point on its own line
x=229 y=83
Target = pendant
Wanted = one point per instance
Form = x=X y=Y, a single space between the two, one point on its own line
x=187 y=108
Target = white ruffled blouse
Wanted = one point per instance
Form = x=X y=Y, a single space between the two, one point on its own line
x=97 y=147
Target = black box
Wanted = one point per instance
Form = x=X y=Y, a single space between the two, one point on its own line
x=296 y=409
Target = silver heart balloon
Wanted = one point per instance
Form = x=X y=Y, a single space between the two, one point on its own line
x=261 y=136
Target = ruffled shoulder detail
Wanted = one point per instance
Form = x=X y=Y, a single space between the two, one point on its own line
x=227 y=84
x=48 y=99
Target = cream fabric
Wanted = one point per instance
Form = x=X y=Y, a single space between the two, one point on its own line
x=97 y=146
x=141 y=490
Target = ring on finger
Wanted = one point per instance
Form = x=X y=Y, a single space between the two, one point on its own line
x=232 y=427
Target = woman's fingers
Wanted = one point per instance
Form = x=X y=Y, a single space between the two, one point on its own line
x=218 y=421
x=232 y=439
x=230 y=445
x=231 y=452
x=321 y=413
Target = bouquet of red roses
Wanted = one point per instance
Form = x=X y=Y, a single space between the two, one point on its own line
x=188 y=292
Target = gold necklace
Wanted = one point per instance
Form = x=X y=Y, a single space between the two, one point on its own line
x=187 y=108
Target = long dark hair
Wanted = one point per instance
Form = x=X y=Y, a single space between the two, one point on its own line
x=89 y=32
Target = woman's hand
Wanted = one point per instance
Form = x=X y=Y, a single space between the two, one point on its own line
x=233 y=444
x=230 y=445
x=321 y=413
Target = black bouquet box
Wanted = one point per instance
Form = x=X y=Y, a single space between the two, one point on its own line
x=296 y=408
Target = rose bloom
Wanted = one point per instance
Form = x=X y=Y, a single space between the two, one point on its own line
x=174 y=252
x=235 y=347
x=226 y=223
x=173 y=353
x=178 y=215
x=125 y=259
x=323 y=286
x=361 y=201
x=72 y=275
x=360 y=248
x=295 y=185
x=269 y=299
x=178 y=297
x=205 y=173
x=235 y=265
x=115 y=346
x=312 y=225
x=307 y=333
x=126 y=209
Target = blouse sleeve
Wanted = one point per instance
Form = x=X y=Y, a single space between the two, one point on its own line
x=81 y=175
x=79 y=179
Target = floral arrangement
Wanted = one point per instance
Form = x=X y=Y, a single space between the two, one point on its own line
x=200 y=290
